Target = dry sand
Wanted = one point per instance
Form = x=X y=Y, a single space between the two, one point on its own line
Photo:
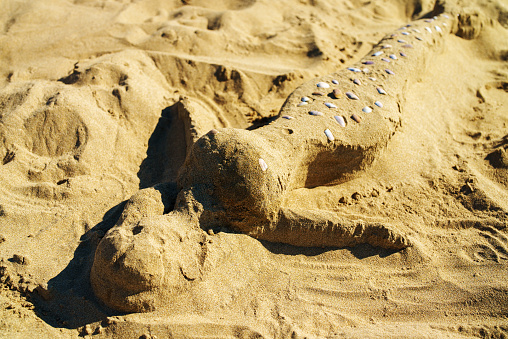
x=89 y=115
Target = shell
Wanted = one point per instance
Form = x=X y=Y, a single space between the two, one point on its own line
x=318 y=93
x=305 y=99
x=351 y=96
x=402 y=54
x=356 y=82
x=263 y=165
x=356 y=118
x=322 y=85
x=380 y=90
x=366 y=70
x=340 y=120
x=428 y=20
x=316 y=113
x=385 y=59
x=389 y=71
x=428 y=29
x=368 y=62
x=378 y=53
x=438 y=29
x=402 y=41
x=372 y=79
x=416 y=30
x=418 y=38
x=337 y=93
x=407 y=46
x=213 y=131
x=289 y=117
x=405 y=33
x=303 y=103
x=329 y=135
x=386 y=46
x=393 y=56
x=378 y=104
x=335 y=82
x=446 y=16
x=330 y=105
x=367 y=109
x=353 y=69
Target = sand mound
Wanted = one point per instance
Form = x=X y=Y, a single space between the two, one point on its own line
x=109 y=174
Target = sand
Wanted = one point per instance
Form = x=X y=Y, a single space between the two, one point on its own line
x=101 y=103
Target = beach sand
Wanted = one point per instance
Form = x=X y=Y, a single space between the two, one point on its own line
x=91 y=100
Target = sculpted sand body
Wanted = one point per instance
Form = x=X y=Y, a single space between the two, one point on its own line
x=329 y=129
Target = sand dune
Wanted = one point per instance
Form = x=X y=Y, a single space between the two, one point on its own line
x=101 y=102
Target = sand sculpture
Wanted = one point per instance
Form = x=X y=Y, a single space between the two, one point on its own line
x=328 y=130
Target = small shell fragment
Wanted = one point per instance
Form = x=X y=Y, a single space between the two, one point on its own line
x=330 y=105
x=318 y=93
x=366 y=70
x=372 y=79
x=402 y=54
x=356 y=82
x=428 y=29
x=367 y=109
x=428 y=20
x=405 y=33
x=263 y=165
x=438 y=29
x=380 y=90
x=303 y=103
x=289 y=117
x=407 y=46
x=389 y=71
x=353 y=69
x=317 y=113
x=340 y=120
x=337 y=93
x=322 y=85
x=416 y=30
x=446 y=16
x=418 y=38
x=378 y=104
x=386 y=46
x=368 y=62
x=401 y=41
x=213 y=131
x=378 y=53
x=335 y=82
x=305 y=99
x=356 y=118
x=385 y=59
x=351 y=96
x=329 y=135
x=393 y=56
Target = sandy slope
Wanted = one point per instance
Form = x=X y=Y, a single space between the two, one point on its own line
x=86 y=119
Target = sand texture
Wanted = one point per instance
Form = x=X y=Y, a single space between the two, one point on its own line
x=253 y=169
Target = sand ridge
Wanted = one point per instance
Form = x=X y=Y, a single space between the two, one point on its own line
x=114 y=83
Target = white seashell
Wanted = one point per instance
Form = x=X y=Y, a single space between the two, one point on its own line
x=367 y=109
x=428 y=29
x=416 y=30
x=446 y=16
x=401 y=41
x=335 y=81
x=444 y=24
x=378 y=53
x=322 y=85
x=386 y=46
x=289 y=117
x=366 y=70
x=305 y=99
x=303 y=103
x=393 y=56
x=330 y=105
x=351 y=96
x=405 y=33
x=329 y=135
x=380 y=90
x=378 y=104
x=263 y=165
x=340 y=120
x=372 y=79
x=317 y=113
x=353 y=69
x=438 y=29
x=356 y=82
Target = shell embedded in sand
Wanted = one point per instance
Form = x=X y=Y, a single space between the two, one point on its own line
x=356 y=118
x=393 y=56
x=351 y=96
x=385 y=59
x=402 y=41
x=366 y=70
x=322 y=85
x=316 y=113
x=428 y=29
x=368 y=62
x=407 y=46
x=329 y=135
x=318 y=93
x=438 y=29
x=378 y=104
x=386 y=46
x=403 y=54
x=303 y=103
x=305 y=99
x=418 y=38
x=354 y=69
x=337 y=93
x=405 y=33
x=389 y=71
x=263 y=165
x=380 y=90
x=335 y=82
x=289 y=117
x=367 y=109
x=330 y=105
x=378 y=53
x=356 y=82
x=340 y=120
